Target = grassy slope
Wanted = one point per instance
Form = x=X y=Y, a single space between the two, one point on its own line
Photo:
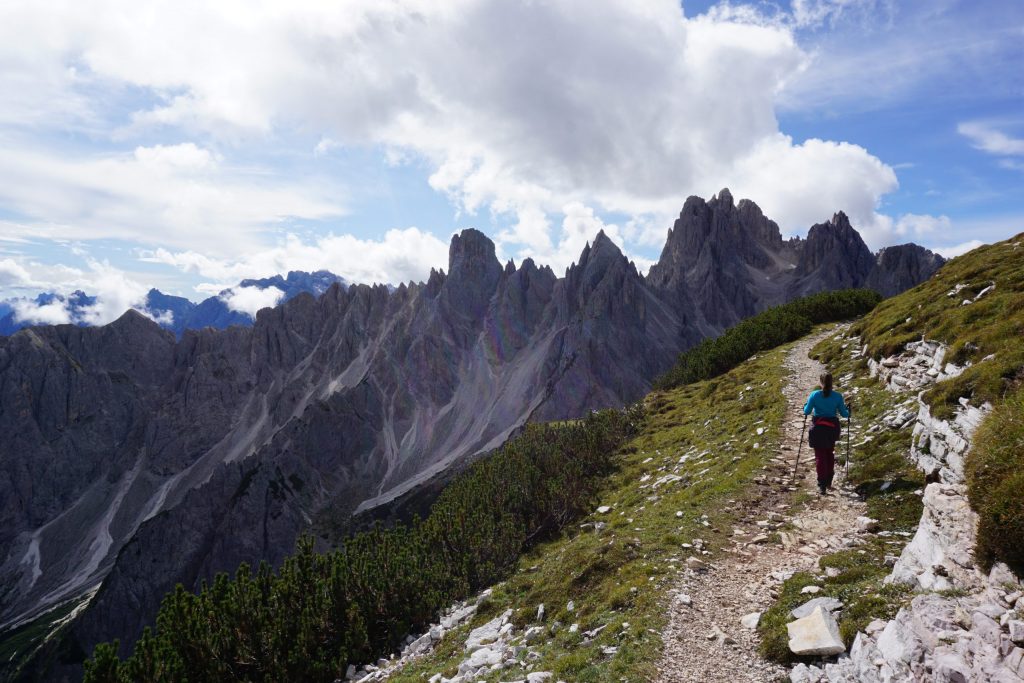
x=989 y=334
x=992 y=325
x=621 y=574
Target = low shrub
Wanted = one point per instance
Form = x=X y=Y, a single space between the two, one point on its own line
x=320 y=612
x=995 y=482
x=773 y=327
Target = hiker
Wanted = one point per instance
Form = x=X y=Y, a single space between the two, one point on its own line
x=824 y=403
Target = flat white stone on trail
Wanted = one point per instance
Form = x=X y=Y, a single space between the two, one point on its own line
x=751 y=620
x=539 y=676
x=603 y=509
x=684 y=599
x=810 y=590
x=815 y=634
x=829 y=604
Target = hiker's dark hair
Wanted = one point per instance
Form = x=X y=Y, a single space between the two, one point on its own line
x=826 y=383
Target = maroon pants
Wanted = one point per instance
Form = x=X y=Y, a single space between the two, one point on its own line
x=825 y=464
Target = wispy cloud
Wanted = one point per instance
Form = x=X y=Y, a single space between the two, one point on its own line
x=182 y=195
x=988 y=137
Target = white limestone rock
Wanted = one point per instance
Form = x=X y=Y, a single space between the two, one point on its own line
x=867 y=524
x=802 y=673
x=815 y=634
x=488 y=633
x=944 y=538
x=750 y=621
x=1016 y=628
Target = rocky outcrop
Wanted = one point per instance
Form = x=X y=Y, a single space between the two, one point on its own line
x=961 y=627
x=144 y=462
x=730 y=261
x=833 y=257
x=724 y=259
x=901 y=267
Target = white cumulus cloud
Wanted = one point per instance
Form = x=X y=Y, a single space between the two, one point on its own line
x=249 y=300
x=621 y=106
x=13 y=273
x=400 y=256
x=959 y=249
x=55 y=312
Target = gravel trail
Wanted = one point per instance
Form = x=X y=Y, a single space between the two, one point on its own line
x=704 y=640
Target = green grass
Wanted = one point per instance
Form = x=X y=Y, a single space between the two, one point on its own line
x=18 y=644
x=992 y=325
x=888 y=482
x=988 y=334
x=621 y=574
x=995 y=484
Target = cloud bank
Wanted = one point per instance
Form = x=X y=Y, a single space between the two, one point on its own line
x=518 y=109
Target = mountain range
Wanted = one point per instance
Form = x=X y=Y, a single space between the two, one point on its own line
x=177 y=313
x=137 y=461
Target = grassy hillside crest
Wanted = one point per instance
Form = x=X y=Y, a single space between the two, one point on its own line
x=975 y=305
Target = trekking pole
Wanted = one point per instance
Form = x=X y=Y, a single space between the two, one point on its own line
x=800 y=447
x=849 y=428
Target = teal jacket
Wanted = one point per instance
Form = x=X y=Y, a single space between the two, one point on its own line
x=826 y=406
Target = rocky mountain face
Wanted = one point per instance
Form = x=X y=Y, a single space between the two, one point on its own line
x=140 y=461
x=729 y=261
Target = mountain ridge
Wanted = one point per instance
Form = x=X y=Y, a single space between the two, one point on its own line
x=333 y=404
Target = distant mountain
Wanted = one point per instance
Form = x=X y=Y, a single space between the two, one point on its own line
x=142 y=461
x=76 y=303
x=177 y=313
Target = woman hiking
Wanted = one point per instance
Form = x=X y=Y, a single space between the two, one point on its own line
x=823 y=404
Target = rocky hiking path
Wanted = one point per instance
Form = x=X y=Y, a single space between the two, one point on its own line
x=711 y=634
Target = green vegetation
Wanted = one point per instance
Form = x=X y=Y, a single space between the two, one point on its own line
x=18 y=645
x=995 y=484
x=695 y=455
x=318 y=613
x=975 y=304
x=992 y=325
x=889 y=483
x=766 y=330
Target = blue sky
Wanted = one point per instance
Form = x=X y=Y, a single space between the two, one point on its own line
x=189 y=145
